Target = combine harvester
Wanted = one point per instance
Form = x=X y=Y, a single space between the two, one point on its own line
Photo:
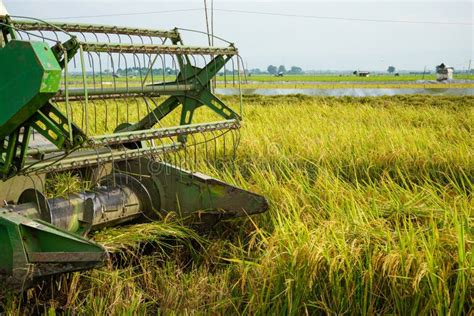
x=113 y=106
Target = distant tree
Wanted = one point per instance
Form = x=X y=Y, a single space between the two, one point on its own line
x=296 y=70
x=272 y=69
x=255 y=71
x=391 y=69
x=282 y=69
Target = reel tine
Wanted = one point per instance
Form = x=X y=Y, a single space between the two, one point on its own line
x=233 y=72
x=74 y=61
x=106 y=117
x=135 y=57
x=113 y=164
x=143 y=43
x=240 y=87
x=120 y=42
x=137 y=102
x=126 y=70
x=167 y=159
x=108 y=37
x=186 y=158
x=83 y=114
x=148 y=108
x=163 y=66
x=100 y=72
x=42 y=181
x=151 y=63
x=208 y=77
x=194 y=145
x=195 y=66
x=99 y=169
x=56 y=35
x=214 y=140
x=206 y=148
x=42 y=36
x=112 y=65
x=246 y=77
x=127 y=114
x=174 y=67
x=91 y=65
x=235 y=145
x=224 y=136
x=94 y=104
x=225 y=76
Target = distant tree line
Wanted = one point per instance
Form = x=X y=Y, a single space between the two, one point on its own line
x=274 y=70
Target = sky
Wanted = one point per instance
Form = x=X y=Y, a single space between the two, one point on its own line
x=319 y=35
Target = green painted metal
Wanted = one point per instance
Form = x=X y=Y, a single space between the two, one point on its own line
x=192 y=193
x=200 y=79
x=33 y=249
x=30 y=75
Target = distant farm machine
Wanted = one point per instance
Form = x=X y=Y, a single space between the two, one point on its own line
x=116 y=108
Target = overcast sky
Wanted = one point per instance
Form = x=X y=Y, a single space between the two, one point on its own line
x=302 y=39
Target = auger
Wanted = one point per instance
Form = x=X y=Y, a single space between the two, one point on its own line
x=120 y=108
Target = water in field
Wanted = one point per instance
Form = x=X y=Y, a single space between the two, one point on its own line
x=352 y=92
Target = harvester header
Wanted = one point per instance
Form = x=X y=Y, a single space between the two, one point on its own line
x=129 y=111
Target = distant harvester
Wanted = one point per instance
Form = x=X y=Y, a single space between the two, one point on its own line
x=444 y=72
x=361 y=73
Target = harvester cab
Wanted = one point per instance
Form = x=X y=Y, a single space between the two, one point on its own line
x=120 y=109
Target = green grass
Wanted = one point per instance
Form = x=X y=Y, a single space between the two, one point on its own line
x=294 y=81
x=351 y=78
x=371 y=213
x=350 y=85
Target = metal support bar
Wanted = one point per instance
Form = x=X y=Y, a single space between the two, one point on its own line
x=9 y=146
x=203 y=76
x=201 y=80
x=93 y=28
x=141 y=135
x=50 y=123
x=162 y=90
x=157 y=49
x=87 y=158
x=113 y=96
x=156 y=115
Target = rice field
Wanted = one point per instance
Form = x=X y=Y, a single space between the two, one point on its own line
x=372 y=212
x=348 y=85
x=307 y=81
x=375 y=77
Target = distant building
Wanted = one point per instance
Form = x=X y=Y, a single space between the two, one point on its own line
x=361 y=73
x=444 y=72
